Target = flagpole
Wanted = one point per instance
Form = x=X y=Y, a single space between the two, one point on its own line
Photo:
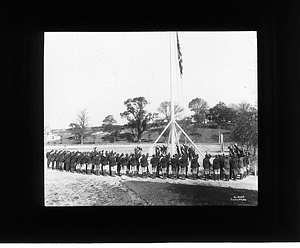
x=172 y=123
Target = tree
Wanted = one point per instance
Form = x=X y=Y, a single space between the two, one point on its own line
x=244 y=106
x=245 y=130
x=165 y=109
x=113 y=130
x=221 y=114
x=200 y=109
x=82 y=122
x=75 y=130
x=137 y=116
x=109 y=120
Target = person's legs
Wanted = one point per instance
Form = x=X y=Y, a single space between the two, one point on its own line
x=112 y=171
x=153 y=172
x=194 y=173
x=123 y=170
x=105 y=170
x=164 y=169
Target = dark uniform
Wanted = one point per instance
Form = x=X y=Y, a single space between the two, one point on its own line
x=144 y=165
x=118 y=157
x=226 y=167
x=164 y=161
x=52 y=158
x=154 y=163
x=206 y=165
x=174 y=165
x=48 y=156
x=194 y=165
x=67 y=161
x=216 y=168
x=133 y=165
x=222 y=166
x=97 y=161
x=183 y=163
x=112 y=165
x=73 y=161
x=61 y=161
x=234 y=166
x=57 y=155
x=89 y=162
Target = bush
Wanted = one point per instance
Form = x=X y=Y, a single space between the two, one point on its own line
x=126 y=137
x=215 y=137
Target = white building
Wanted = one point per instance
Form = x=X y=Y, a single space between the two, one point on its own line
x=49 y=135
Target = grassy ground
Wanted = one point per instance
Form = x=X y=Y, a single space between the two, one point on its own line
x=195 y=195
x=72 y=189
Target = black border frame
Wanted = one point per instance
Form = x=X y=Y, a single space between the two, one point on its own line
x=275 y=219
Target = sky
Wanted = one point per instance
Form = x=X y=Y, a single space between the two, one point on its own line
x=98 y=71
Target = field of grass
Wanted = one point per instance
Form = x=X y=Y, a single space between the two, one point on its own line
x=73 y=189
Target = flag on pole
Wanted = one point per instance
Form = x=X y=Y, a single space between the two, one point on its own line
x=179 y=56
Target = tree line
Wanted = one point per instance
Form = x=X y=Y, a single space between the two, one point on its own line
x=241 y=119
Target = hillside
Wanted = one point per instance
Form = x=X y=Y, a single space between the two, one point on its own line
x=198 y=135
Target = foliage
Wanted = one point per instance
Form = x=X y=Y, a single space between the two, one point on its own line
x=113 y=130
x=109 y=120
x=136 y=115
x=221 y=114
x=200 y=108
x=185 y=123
x=245 y=131
x=126 y=136
x=75 y=130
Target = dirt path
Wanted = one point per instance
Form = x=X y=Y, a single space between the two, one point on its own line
x=72 y=189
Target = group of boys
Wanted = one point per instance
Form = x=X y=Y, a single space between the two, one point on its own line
x=161 y=164
x=226 y=167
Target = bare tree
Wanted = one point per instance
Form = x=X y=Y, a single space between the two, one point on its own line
x=244 y=106
x=165 y=109
x=82 y=121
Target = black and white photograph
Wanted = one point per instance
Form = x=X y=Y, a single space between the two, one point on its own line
x=166 y=118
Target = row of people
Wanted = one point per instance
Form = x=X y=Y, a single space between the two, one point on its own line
x=159 y=164
x=227 y=167
x=112 y=163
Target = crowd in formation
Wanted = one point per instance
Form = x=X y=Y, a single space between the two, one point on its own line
x=161 y=164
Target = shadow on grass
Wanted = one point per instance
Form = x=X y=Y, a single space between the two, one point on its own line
x=197 y=195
